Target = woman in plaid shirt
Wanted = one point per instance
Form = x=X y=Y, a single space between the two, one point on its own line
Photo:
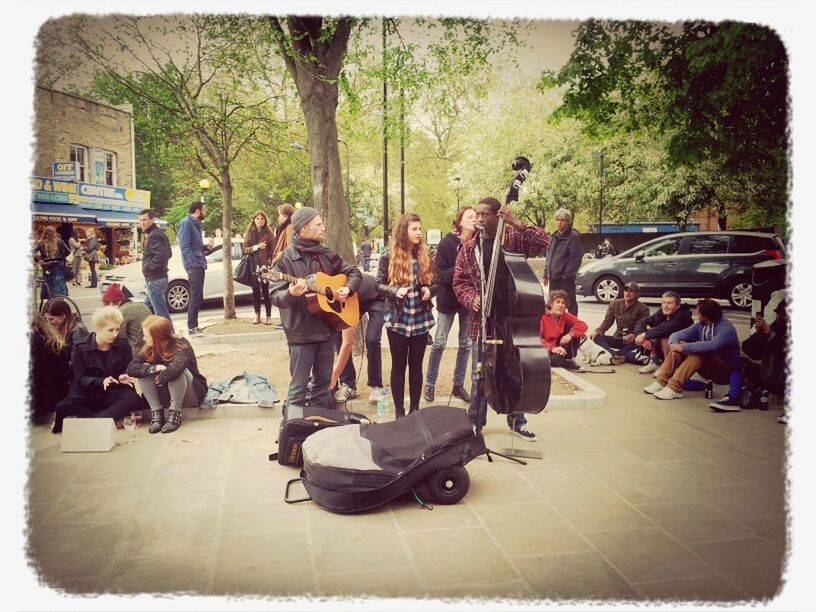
x=405 y=279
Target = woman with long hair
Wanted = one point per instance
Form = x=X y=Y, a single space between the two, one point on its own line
x=448 y=307
x=100 y=387
x=66 y=324
x=405 y=279
x=51 y=252
x=76 y=252
x=91 y=255
x=50 y=374
x=168 y=374
x=560 y=331
x=283 y=233
x=259 y=240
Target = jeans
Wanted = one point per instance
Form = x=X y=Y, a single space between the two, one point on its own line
x=478 y=408
x=619 y=347
x=195 y=276
x=373 y=347
x=444 y=323
x=156 y=294
x=246 y=388
x=315 y=359
x=406 y=351
x=92 y=266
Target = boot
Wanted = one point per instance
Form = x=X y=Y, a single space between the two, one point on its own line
x=413 y=409
x=461 y=393
x=156 y=421
x=429 y=393
x=173 y=421
x=399 y=413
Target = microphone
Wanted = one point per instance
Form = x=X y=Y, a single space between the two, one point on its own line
x=478 y=227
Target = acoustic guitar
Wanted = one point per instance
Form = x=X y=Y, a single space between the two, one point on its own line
x=320 y=299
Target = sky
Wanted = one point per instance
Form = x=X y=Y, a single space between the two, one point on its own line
x=22 y=20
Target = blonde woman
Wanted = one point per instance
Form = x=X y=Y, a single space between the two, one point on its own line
x=405 y=279
x=100 y=387
x=51 y=252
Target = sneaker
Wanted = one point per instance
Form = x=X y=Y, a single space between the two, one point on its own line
x=194 y=332
x=783 y=418
x=377 y=393
x=524 y=433
x=726 y=404
x=618 y=360
x=461 y=393
x=653 y=388
x=428 y=394
x=667 y=393
x=649 y=368
x=764 y=400
x=344 y=393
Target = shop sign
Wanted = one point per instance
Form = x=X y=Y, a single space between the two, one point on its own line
x=88 y=195
x=53 y=190
x=64 y=170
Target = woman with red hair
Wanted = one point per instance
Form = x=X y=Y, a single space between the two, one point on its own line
x=168 y=374
x=405 y=279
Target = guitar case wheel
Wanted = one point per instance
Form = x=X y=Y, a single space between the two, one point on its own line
x=446 y=486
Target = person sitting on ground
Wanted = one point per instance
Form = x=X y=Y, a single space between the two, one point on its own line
x=50 y=374
x=709 y=347
x=767 y=344
x=560 y=331
x=625 y=312
x=133 y=314
x=344 y=371
x=69 y=328
x=168 y=375
x=100 y=386
x=652 y=333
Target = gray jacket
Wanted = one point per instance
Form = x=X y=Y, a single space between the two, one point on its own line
x=564 y=255
x=299 y=325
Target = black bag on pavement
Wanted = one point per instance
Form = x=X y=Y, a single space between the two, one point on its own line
x=67 y=272
x=245 y=270
x=299 y=422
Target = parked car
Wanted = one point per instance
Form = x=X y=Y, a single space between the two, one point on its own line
x=695 y=264
x=178 y=288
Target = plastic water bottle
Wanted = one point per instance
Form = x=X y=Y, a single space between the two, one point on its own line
x=383 y=408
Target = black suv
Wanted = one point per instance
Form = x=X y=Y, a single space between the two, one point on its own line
x=694 y=264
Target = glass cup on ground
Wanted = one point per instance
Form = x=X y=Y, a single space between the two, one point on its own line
x=130 y=426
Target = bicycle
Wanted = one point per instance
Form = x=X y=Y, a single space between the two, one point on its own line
x=46 y=298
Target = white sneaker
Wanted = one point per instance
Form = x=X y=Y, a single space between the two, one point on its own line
x=344 y=393
x=649 y=368
x=667 y=393
x=653 y=388
x=377 y=393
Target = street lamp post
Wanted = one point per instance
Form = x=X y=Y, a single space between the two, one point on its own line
x=599 y=155
x=203 y=185
x=456 y=180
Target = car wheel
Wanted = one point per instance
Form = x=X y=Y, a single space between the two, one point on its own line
x=607 y=288
x=739 y=294
x=178 y=296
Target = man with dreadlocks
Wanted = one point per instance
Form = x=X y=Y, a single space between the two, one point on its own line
x=311 y=340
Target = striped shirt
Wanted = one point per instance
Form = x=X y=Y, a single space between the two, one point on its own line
x=414 y=319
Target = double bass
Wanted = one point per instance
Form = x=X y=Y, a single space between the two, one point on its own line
x=516 y=368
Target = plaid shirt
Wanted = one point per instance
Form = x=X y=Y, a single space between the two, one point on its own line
x=414 y=319
x=531 y=241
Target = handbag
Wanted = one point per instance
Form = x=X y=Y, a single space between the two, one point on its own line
x=245 y=271
x=67 y=273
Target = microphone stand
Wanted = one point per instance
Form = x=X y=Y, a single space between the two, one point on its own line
x=480 y=399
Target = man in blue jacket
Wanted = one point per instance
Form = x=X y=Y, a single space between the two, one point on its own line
x=193 y=255
x=710 y=347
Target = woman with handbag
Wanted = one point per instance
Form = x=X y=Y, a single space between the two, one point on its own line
x=91 y=255
x=76 y=257
x=51 y=252
x=258 y=242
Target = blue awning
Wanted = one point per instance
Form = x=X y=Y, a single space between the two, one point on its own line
x=111 y=218
x=62 y=213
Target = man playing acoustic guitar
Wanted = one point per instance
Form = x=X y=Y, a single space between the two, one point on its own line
x=311 y=338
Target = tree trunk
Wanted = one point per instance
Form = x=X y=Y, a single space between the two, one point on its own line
x=226 y=229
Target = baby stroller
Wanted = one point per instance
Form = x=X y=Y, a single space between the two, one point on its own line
x=353 y=468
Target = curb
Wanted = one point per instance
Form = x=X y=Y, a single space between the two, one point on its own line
x=589 y=397
x=237 y=338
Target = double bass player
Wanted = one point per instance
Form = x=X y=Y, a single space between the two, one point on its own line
x=475 y=256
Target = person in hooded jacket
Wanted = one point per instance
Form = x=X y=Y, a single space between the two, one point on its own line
x=652 y=333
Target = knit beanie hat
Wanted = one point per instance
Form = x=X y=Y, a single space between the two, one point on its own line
x=113 y=294
x=302 y=216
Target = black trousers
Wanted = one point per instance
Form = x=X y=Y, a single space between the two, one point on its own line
x=261 y=289
x=566 y=361
x=115 y=403
x=92 y=266
x=408 y=351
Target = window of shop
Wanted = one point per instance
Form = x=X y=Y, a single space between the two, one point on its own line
x=79 y=154
x=110 y=166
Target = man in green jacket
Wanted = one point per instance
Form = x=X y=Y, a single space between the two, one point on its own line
x=133 y=314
